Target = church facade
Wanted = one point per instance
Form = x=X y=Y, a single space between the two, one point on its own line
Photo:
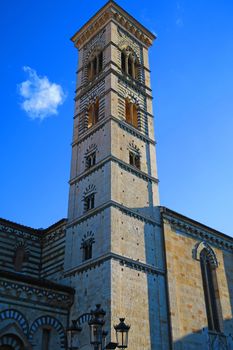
x=169 y=276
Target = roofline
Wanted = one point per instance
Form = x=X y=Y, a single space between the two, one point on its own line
x=31 y=229
x=149 y=33
x=40 y=282
x=165 y=210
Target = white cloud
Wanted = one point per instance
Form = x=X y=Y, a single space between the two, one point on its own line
x=41 y=97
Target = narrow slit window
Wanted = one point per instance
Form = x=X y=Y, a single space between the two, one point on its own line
x=135 y=116
x=87 y=252
x=130 y=66
x=131 y=113
x=95 y=71
x=100 y=62
x=45 y=338
x=93 y=114
x=123 y=59
x=210 y=286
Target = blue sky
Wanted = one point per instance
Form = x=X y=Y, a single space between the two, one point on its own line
x=192 y=78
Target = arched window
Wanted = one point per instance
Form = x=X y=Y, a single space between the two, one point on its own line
x=87 y=244
x=210 y=285
x=129 y=63
x=134 y=159
x=93 y=113
x=131 y=113
x=95 y=65
x=89 y=202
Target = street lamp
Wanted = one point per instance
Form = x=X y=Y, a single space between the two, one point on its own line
x=97 y=334
x=72 y=333
x=104 y=335
x=122 y=331
x=96 y=324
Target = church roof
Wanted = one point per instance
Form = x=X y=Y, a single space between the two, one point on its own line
x=197 y=228
x=29 y=229
x=40 y=282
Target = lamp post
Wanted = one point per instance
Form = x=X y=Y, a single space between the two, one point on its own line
x=122 y=331
x=97 y=334
x=96 y=324
x=71 y=334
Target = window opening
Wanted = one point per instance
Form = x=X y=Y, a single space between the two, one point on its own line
x=131 y=113
x=210 y=286
x=130 y=66
x=87 y=251
x=93 y=114
x=90 y=160
x=123 y=59
x=89 y=202
x=45 y=339
x=100 y=61
x=134 y=159
x=95 y=65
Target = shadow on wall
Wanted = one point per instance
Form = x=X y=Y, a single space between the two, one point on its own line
x=206 y=340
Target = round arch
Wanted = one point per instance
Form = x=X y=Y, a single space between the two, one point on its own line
x=199 y=247
x=48 y=321
x=12 y=314
x=11 y=342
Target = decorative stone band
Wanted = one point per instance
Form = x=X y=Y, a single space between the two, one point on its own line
x=131 y=83
x=122 y=124
x=127 y=167
x=20 y=233
x=110 y=62
x=122 y=208
x=39 y=235
x=112 y=12
x=124 y=261
x=15 y=285
x=54 y=236
x=198 y=230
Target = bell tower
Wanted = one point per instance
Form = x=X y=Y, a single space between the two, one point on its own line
x=114 y=251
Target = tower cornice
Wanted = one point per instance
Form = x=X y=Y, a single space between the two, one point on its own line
x=112 y=11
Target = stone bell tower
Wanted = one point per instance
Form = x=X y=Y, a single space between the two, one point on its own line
x=114 y=250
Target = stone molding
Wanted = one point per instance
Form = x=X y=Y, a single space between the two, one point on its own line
x=54 y=236
x=121 y=123
x=20 y=233
x=131 y=169
x=124 y=261
x=199 y=247
x=134 y=84
x=111 y=62
x=35 y=294
x=197 y=232
x=112 y=12
x=39 y=235
x=109 y=204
